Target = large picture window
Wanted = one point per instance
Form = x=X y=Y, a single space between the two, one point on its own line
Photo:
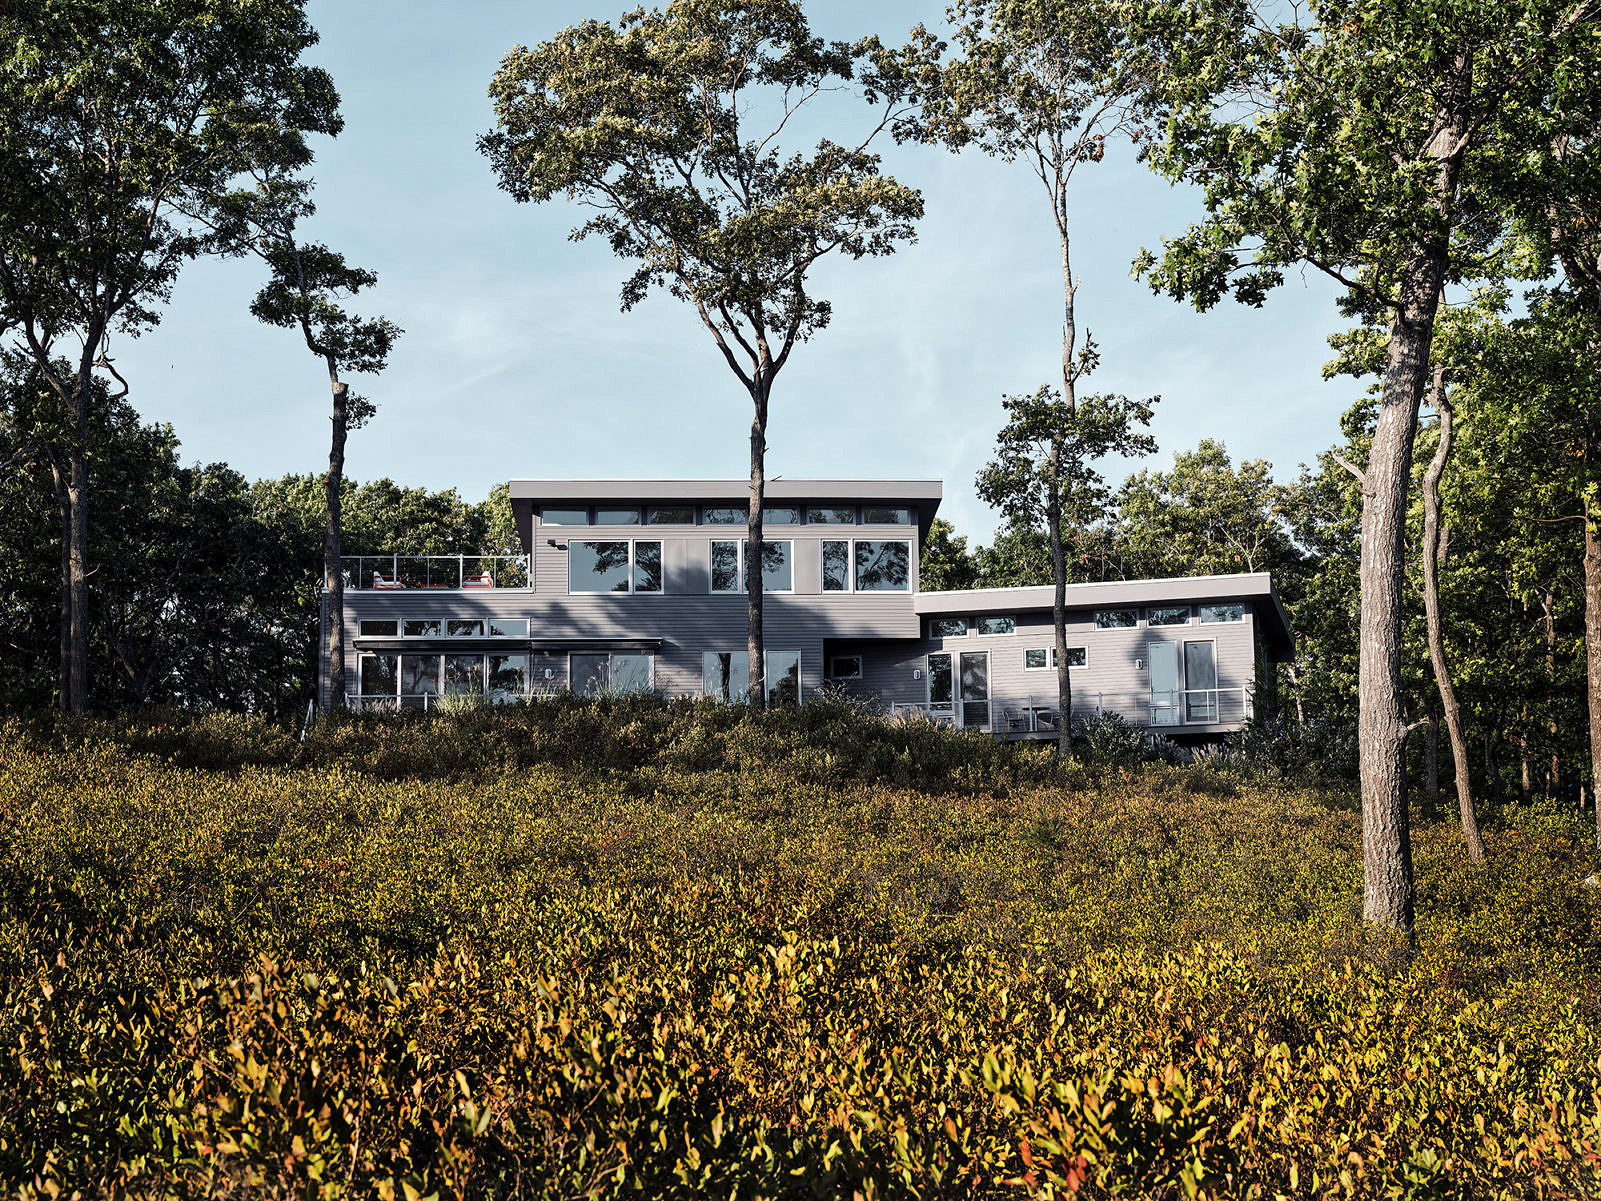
x=883 y=566
x=614 y=567
x=726 y=675
x=728 y=566
x=609 y=672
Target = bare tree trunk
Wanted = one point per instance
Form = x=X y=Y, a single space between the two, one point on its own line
x=1431 y=761
x=1431 y=607
x=753 y=555
x=77 y=681
x=1295 y=685
x=1554 y=772
x=1064 y=680
x=64 y=506
x=333 y=576
x=1592 y=645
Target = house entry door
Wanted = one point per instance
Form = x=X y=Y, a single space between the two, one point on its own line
x=1164 y=660
x=975 y=690
x=940 y=690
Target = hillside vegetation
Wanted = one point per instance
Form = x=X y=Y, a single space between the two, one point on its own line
x=658 y=949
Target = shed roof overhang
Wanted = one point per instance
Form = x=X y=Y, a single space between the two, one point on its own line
x=1254 y=586
x=925 y=495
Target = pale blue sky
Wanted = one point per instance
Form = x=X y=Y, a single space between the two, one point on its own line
x=517 y=363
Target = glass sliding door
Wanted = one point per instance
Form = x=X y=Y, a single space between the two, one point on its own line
x=941 y=693
x=1200 y=681
x=975 y=684
x=1164 y=660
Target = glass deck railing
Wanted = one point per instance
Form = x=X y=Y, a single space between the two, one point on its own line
x=379 y=572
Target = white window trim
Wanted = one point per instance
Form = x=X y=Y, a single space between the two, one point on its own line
x=1095 y=617
x=850 y=566
x=1189 y=618
x=973 y=625
x=800 y=666
x=967 y=621
x=1050 y=656
x=650 y=656
x=360 y=663
x=833 y=665
x=739 y=551
x=632 y=542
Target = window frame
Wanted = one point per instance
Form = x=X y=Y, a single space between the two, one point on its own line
x=1050 y=658
x=652 y=510
x=363 y=622
x=908 y=543
x=811 y=519
x=1167 y=625
x=800 y=672
x=967 y=627
x=910 y=517
x=833 y=667
x=1201 y=618
x=570 y=525
x=742 y=523
x=739 y=572
x=1133 y=609
x=631 y=590
x=978 y=623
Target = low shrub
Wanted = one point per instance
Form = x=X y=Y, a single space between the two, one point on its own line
x=692 y=957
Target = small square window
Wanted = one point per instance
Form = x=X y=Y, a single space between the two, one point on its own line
x=997 y=625
x=847 y=667
x=552 y=516
x=1116 y=619
x=1211 y=614
x=1035 y=658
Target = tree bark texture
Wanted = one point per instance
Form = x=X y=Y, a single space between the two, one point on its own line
x=1592 y=645
x=333 y=576
x=78 y=574
x=1387 y=893
x=1554 y=772
x=753 y=553
x=1449 y=705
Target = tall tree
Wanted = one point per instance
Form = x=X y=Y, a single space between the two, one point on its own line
x=120 y=122
x=306 y=283
x=1043 y=82
x=1440 y=402
x=1396 y=174
x=655 y=123
x=1044 y=468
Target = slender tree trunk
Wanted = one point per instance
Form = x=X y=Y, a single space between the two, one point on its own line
x=333 y=576
x=1449 y=706
x=1064 y=679
x=77 y=681
x=64 y=508
x=1554 y=773
x=753 y=555
x=1592 y=644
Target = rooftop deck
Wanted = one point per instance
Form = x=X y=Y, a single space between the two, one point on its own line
x=380 y=573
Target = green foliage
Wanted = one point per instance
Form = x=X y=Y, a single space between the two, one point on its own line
x=653 y=123
x=690 y=956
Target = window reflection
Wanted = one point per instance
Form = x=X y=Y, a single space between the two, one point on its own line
x=725 y=514
x=419 y=675
x=882 y=566
x=725 y=567
x=464 y=675
x=836 y=566
x=379 y=675
x=465 y=628
x=647 y=567
x=781 y=515
x=597 y=567
x=508 y=677
x=831 y=514
x=424 y=628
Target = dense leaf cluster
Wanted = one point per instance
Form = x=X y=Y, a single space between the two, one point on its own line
x=802 y=953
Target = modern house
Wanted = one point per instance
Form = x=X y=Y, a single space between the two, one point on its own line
x=638 y=584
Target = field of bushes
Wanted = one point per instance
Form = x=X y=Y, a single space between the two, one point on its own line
x=664 y=949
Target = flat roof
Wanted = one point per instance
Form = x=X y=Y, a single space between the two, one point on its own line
x=778 y=487
x=1257 y=585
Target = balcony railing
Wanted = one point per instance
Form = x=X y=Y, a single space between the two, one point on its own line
x=379 y=573
x=1037 y=714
